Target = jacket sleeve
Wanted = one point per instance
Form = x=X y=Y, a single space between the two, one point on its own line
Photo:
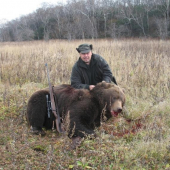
x=76 y=81
x=107 y=74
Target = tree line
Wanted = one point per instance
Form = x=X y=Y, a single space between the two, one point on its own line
x=84 y=19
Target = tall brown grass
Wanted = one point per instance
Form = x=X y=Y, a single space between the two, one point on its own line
x=135 y=63
x=141 y=67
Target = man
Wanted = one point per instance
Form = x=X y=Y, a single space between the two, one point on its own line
x=90 y=69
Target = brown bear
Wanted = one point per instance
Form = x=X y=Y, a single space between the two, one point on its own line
x=86 y=108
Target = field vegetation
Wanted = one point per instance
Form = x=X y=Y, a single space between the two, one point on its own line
x=137 y=140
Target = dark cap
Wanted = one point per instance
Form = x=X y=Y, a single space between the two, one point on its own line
x=84 y=48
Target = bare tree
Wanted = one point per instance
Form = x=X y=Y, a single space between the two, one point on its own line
x=44 y=14
x=133 y=14
x=163 y=21
x=80 y=19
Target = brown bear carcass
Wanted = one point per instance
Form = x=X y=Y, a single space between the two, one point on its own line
x=85 y=108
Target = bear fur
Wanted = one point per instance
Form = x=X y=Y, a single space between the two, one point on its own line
x=85 y=108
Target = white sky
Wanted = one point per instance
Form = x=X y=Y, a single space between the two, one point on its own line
x=12 y=9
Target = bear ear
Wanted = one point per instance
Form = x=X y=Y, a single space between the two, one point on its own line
x=122 y=89
x=106 y=85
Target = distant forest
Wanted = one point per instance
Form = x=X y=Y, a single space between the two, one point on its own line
x=86 y=19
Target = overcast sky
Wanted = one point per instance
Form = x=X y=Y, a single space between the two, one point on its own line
x=12 y=9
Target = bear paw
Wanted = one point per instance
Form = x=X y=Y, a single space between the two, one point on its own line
x=37 y=131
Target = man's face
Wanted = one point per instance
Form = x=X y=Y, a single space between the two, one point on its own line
x=86 y=57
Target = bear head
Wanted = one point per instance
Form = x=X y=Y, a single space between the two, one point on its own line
x=111 y=98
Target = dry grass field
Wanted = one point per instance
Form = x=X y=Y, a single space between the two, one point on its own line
x=139 y=140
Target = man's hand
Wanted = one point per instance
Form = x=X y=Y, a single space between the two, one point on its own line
x=91 y=87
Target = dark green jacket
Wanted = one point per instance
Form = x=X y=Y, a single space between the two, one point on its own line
x=84 y=75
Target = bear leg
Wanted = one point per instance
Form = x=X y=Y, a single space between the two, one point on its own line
x=37 y=111
x=80 y=130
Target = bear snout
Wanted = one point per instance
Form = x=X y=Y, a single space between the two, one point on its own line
x=116 y=108
x=119 y=110
x=116 y=112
